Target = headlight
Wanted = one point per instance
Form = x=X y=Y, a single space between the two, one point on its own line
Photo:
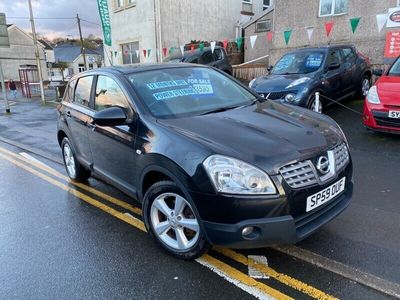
x=252 y=82
x=298 y=81
x=233 y=176
x=373 y=96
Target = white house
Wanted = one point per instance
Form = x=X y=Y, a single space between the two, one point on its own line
x=71 y=54
x=138 y=25
x=21 y=52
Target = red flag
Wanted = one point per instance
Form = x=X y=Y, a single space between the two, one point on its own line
x=192 y=47
x=144 y=53
x=165 y=50
x=225 y=43
x=270 y=36
x=329 y=27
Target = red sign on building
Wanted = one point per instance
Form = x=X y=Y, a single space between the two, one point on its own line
x=392 y=49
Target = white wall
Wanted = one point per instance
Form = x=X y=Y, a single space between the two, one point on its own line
x=20 y=52
x=132 y=24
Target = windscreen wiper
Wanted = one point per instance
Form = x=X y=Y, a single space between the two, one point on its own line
x=220 y=109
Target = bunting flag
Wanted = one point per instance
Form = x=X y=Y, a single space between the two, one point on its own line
x=354 y=23
x=212 y=44
x=225 y=43
x=171 y=50
x=148 y=52
x=165 y=51
x=381 y=21
x=144 y=53
x=253 y=39
x=328 y=28
x=287 y=34
x=310 y=31
x=137 y=53
x=270 y=36
x=191 y=47
x=201 y=46
x=239 y=42
x=182 y=47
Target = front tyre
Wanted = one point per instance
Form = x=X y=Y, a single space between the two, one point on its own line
x=172 y=222
x=74 y=169
x=365 y=86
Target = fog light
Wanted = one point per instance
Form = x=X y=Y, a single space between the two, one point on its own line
x=247 y=230
x=289 y=98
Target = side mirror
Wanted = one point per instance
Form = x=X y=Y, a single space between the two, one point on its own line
x=111 y=116
x=334 y=65
x=377 y=72
x=269 y=69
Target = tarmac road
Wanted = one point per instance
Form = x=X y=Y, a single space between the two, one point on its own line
x=60 y=240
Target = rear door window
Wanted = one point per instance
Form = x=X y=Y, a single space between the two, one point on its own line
x=348 y=55
x=69 y=92
x=83 y=91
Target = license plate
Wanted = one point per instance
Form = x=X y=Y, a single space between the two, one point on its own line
x=325 y=195
x=395 y=114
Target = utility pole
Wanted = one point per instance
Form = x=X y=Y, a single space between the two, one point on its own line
x=4 y=89
x=80 y=35
x=37 y=53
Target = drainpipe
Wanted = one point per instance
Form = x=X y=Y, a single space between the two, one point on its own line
x=157 y=27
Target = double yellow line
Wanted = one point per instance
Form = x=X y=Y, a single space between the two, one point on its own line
x=223 y=268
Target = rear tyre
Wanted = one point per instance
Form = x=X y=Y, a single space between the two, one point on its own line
x=73 y=167
x=312 y=103
x=173 y=223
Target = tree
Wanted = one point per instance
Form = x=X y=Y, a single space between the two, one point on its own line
x=62 y=65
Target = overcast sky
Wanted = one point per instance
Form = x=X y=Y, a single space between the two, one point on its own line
x=87 y=10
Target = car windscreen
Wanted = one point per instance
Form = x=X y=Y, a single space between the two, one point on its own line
x=188 y=91
x=173 y=59
x=395 y=69
x=299 y=63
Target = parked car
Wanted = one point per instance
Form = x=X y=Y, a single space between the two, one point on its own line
x=210 y=161
x=334 y=71
x=219 y=59
x=382 y=104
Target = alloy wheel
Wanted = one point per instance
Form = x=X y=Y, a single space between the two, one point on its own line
x=174 y=221
x=314 y=103
x=69 y=160
x=365 y=86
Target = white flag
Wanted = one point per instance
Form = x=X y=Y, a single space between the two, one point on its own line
x=253 y=39
x=212 y=44
x=310 y=31
x=137 y=53
x=182 y=49
x=381 y=21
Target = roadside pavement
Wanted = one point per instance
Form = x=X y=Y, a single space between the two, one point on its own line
x=31 y=123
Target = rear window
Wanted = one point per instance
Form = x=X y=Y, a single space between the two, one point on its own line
x=178 y=92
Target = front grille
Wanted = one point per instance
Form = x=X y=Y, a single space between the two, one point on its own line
x=303 y=174
x=341 y=156
x=276 y=95
x=299 y=174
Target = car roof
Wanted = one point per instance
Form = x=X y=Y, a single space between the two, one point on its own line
x=191 y=54
x=319 y=48
x=136 y=68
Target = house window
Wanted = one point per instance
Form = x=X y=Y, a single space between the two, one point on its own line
x=266 y=4
x=119 y=3
x=81 y=68
x=90 y=66
x=131 y=2
x=247 y=1
x=264 y=25
x=129 y=53
x=332 y=7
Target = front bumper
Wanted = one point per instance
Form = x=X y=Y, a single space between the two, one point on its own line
x=375 y=117
x=277 y=230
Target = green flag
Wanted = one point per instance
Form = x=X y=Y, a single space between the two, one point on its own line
x=354 y=23
x=239 y=42
x=201 y=46
x=287 y=34
x=105 y=20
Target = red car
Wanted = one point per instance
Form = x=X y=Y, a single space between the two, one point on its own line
x=382 y=104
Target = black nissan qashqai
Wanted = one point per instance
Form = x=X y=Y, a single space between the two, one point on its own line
x=210 y=160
